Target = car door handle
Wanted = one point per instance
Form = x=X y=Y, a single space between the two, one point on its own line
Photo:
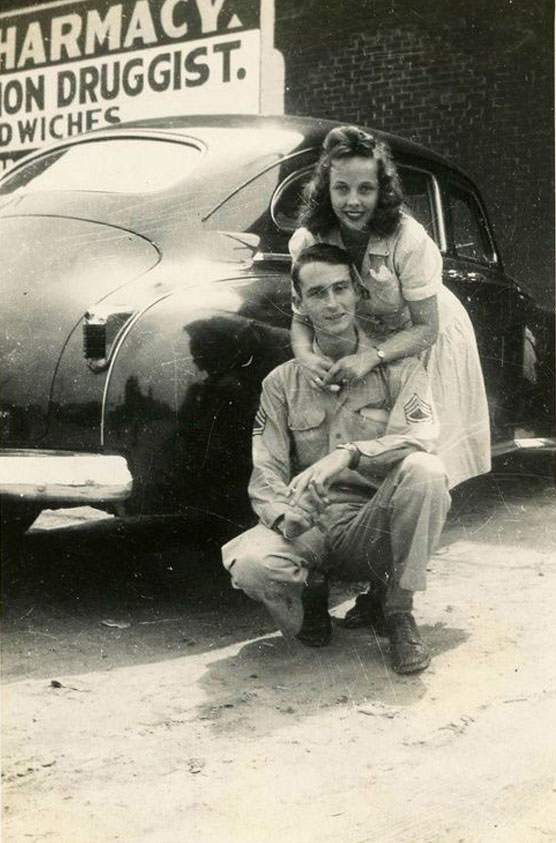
x=463 y=276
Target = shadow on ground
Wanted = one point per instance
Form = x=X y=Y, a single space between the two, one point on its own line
x=272 y=678
x=111 y=593
x=117 y=592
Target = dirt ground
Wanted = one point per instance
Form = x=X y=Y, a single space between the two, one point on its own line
x=145 y=701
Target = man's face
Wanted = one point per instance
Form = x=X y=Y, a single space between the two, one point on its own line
x=328 y=297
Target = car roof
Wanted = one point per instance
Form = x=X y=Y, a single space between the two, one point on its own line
x=313 y=130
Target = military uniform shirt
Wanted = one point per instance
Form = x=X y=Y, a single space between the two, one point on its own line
x=388 y=414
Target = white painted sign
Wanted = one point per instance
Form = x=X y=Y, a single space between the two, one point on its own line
x=66 y=68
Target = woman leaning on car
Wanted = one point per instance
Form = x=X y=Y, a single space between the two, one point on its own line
x=354 y=200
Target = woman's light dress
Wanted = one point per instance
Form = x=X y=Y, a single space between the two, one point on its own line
x=407 y=266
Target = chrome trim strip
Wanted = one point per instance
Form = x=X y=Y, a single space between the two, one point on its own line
x=64 y=476
x=443 y=243
x=275 y=257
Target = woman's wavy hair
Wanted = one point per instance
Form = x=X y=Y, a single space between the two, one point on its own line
x=316 y=212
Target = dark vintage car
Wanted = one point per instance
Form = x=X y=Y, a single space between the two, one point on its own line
x=146 y=293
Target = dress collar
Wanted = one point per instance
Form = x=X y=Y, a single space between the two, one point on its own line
x=376 y=245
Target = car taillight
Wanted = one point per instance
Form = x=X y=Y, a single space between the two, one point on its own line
x=94 y=339
x=101 y=327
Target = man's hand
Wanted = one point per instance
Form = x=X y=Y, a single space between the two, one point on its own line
x=294 y=524
x=352 y=367
x=316 y=479
x=303 y=515
x=318 y=367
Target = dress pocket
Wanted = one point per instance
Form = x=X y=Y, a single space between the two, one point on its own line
x=382 y=274
x=383 y=284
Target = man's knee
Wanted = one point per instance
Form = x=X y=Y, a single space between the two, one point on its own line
x=259 y=561
x=268 y=575
x=247 y=571
x=424 y=471
x=245 y=565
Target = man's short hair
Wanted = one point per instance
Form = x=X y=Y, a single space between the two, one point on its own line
x=320 y=253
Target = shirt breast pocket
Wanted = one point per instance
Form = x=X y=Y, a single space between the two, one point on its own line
x=308 y=429
x=369 y=422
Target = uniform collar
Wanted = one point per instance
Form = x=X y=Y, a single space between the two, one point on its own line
x=318 y=350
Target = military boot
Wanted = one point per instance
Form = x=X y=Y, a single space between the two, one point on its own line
x=316 y=629
x=408 y=651
x=367 y=611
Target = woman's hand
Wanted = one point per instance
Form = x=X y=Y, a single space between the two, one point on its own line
x=352 y=367
x=318 y=476
x=317 y=367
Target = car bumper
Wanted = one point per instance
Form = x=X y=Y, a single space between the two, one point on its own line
x=63 y=476
x=538 y=443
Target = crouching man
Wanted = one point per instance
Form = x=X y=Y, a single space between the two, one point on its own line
x=344 y=483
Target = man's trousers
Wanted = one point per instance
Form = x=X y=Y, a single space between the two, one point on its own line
x=387 y=539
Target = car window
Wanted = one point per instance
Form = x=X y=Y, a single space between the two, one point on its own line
x=468 y=225
x=244 y=207
x=418 y=190
x=248 y=205
x=287 y=199
x=416 y=183
x=119 y=165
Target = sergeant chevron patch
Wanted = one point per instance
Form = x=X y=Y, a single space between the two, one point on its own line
x=260 y=422
x=417 y=410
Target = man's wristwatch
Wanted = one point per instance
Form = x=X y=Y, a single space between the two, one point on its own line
x=380 y=354
x=354 y=453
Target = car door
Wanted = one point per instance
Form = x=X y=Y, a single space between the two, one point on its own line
x=499 y=310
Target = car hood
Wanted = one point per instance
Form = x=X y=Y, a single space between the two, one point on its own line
x=53 y=268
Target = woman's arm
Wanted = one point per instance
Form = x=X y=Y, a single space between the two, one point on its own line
x=301 y=333
x=406 y=343
x=301 y=337
x=420 y=336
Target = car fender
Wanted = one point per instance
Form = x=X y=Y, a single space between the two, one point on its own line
x=182 y=392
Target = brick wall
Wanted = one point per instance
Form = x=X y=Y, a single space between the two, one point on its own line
x=473 y=80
